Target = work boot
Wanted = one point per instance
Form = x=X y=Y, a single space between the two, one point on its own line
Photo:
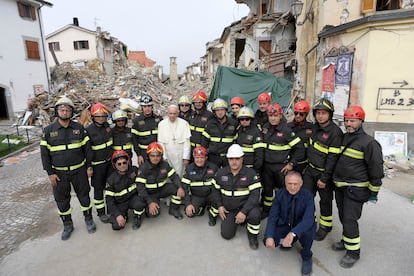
x=322 y=233
x=104 y=218
x=175 y=211
x=307 y=267
x=253 y=242
x=211 y=220
x=67 y=230
x=338 y=246
x=90 y=226
x=136 y=222
x=348 y=261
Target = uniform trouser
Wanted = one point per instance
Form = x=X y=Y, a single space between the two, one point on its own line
x=229 y=226
x=167 y=190
x=220 y=161
x=272 y=178
x=134 y=203
x=349 y=211
x=200 y=202
x=300 y=167
x=306 y=239
x=310 y=179
x=80 y=183
x=98 y=182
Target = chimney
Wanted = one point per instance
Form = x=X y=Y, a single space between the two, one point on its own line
x=75 y=21
x=98 y=29
x=173 y=69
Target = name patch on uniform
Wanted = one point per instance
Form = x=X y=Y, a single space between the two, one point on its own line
x=76 y=131
x=210 y=171
x=54 y=134
x=141 y=123
x=204 y=119
x=163 y=171
x=224 y=178
x=309 y=131
x=244 y=178
x=325 y=136
x=231 y=127
x=279 y=134
x=249 y=137
x=192 y=173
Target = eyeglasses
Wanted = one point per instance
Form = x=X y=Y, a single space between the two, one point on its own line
x=184 y=105
x=244 y=119
x=299 y=113
x=121 y=163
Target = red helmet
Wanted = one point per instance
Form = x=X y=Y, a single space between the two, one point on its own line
x=199 y=96
x=274 y=109
x=264 y=98
x=354 y=112
x=237 y=100
x=119 y=154
x=199 y=151
x=302 y=106
x=154 y=147
x=99 y=109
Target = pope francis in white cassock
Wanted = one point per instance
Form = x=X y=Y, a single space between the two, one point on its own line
x=174 y=136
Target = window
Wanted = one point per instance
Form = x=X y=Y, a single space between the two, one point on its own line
x=368 y=6
x=81 y=44
x=32 y=49
x=26 y=11
x=55 y=46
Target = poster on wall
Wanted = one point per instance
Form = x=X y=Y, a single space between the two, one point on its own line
x=392 y=143
x=328 y=78
x=343 y=69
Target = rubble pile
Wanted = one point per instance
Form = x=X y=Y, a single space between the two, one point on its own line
x=86 y=83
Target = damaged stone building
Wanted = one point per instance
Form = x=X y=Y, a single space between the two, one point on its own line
x=353 y=52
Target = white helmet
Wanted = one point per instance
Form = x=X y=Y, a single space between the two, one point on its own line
x=234 y=151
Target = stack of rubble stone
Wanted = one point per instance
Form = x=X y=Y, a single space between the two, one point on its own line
x=86 y=83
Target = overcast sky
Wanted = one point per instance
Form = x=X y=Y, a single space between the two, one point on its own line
x=161 y=28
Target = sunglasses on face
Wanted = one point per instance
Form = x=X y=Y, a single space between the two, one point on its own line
x=300 y=113
x=244 y=119
x=184 y=105
x=121 y=163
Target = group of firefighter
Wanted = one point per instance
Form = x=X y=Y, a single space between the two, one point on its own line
x=239 y=164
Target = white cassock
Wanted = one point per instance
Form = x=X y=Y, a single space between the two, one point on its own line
x=175 y=140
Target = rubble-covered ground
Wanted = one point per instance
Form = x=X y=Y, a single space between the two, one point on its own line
x=86 y=83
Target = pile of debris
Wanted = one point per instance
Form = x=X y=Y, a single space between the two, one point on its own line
x=86 y=83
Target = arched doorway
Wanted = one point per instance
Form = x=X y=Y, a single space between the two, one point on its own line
x=4 y=115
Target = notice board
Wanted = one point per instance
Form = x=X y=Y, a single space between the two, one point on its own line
x=392 y=142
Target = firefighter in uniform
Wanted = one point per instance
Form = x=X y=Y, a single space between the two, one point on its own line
x=303 y=129
x=219 y=133
x=122 y=137
x=263 y=100
x=156 y=179
x=236 y=103
x=249 y=137
x=292 y=218
x=237 y=196
x=199 y=118
x=66 y=154
x=322 y=153
x=198 y=183
x=121 y=192
x=145 y=127
x=101 y=143
x=357 y=179
x=184 y=106
x=282 y=149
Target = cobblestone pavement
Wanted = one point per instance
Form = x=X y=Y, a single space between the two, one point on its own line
x=25 y=200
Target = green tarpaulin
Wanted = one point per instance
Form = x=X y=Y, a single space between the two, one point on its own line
x=230 y=82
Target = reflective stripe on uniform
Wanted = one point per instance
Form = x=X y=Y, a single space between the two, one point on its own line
x=279 y=147
x=123 y=192
x=102 y=146
x=124 y=147
x=356 y=154
x=70 y=168
x=357 y=184
x=68 y=212
x=253 y=229
x=244 y=192
x=317 y=168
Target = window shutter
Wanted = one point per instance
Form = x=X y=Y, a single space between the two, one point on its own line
x=32 y=48
x=368 y=6
x=33 y=12
x=21 y=9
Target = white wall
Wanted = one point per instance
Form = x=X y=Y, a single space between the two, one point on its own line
x=18 y=74
x=67 y=52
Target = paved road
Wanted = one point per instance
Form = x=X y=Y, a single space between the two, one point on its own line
x=166 y=246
